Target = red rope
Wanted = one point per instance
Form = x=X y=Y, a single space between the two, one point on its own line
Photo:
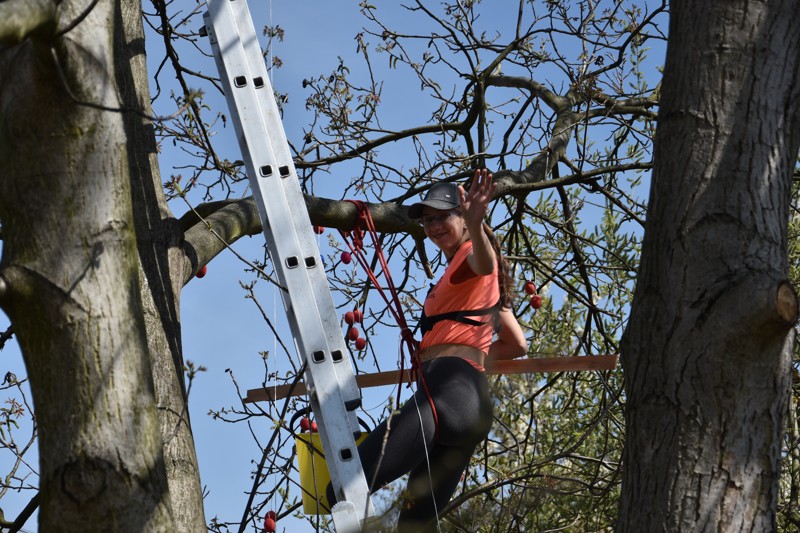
x=364 y=225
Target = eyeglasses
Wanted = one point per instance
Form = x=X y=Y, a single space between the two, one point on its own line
x=438 y=219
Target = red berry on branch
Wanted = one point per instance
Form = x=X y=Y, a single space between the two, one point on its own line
x=536 y=301
x=305 y=424
x=349 y=318
x=319 y=230
x=358 y=315
x=346 y=258
x=202 y=271
x=271 y=514
x=361 y=343
x=529 y=288
x=352 y=334
x=269 y=525
x=314 y=427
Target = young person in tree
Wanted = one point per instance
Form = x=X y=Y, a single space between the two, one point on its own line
x=466 y=318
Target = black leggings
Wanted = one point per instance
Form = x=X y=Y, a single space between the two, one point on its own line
x=464 y=409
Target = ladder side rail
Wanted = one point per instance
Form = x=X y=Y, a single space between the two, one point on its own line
x=296 y=202
x=249 y=166
x=273 y=207
x=328 y=400
x=323 y=388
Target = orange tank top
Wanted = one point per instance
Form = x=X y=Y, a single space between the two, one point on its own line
x=476 y=292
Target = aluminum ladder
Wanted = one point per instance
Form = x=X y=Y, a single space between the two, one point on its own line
x=312 y=317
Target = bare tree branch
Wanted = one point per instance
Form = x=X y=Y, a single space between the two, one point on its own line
x=7 y=334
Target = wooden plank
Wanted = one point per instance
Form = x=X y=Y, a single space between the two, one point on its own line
x=279 y=392
x=512 y=366
x=382 y=378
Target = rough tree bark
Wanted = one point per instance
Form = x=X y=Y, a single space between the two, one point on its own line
x=165 y=267
x=71 y=282
x=708 y=346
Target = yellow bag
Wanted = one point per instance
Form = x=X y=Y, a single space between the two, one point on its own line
x=314 y=475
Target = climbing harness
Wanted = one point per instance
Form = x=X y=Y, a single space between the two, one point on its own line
x=426 y=323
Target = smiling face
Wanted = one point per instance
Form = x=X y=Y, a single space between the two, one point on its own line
x=448 y=233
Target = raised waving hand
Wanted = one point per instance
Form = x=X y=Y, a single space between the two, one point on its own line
x=475 y=203
x=474 y=206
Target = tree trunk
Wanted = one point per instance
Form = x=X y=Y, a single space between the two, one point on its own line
x=708 y=346
x=163 y=270
x=71 y=280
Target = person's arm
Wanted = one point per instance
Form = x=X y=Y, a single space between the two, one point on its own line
x=474 y=206
x=511 y=342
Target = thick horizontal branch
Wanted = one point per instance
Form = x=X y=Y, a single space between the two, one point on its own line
x=242 y=216
x=515 y=366
x=243 y=219
x=210 y=226
x=19 y=19
x=234 y=219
